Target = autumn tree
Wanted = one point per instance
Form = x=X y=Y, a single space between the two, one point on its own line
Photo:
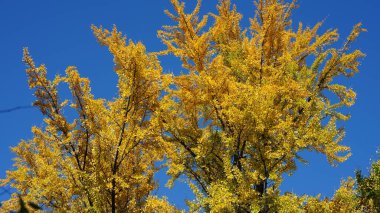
x=369 y=187
x=103 y=160
x=249 y=101
x=360 y=195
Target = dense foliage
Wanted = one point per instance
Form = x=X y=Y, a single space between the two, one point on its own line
x=369 y=187
x=233 y=124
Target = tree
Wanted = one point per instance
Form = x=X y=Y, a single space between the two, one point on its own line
x=250 y=101
x=104 y=159
x=369 y=187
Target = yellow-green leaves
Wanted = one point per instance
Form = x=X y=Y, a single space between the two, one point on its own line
x=186 y=40
x=233 y=125
x=105 y=160
x=252 y=102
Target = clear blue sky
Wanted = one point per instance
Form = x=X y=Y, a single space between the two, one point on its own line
x=58 y=34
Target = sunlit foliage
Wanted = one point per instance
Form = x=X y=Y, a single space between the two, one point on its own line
x=104 y=159
x=248 y=102
x=251 y=101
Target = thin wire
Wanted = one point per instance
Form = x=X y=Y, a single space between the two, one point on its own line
x=15 y=109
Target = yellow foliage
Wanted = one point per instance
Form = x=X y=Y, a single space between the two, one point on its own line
x=251 y=101
x=103 y=161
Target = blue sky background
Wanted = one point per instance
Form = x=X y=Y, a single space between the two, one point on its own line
x=58 y=34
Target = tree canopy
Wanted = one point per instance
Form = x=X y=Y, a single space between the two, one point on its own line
x=233 y=124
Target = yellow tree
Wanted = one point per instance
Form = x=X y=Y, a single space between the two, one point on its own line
x=234 y=123
x=103 y=160
x=251 y=101
x=344 y=200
